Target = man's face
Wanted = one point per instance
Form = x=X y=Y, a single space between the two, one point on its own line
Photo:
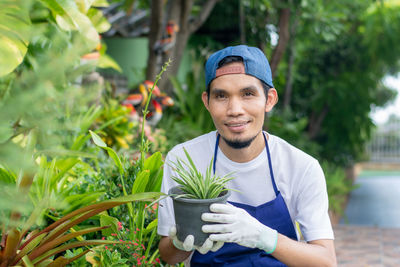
x=237 y=104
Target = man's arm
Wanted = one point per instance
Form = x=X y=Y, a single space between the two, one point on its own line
x=169 y=253
x=314 y=253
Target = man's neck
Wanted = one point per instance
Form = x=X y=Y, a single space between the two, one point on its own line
x=244 y=154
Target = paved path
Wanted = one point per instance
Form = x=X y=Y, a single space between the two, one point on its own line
x=370 y=233
x=362 y=246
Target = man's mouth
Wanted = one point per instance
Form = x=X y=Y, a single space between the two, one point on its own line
x=237 y=126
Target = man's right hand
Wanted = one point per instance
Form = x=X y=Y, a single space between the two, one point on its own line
x=188 y=243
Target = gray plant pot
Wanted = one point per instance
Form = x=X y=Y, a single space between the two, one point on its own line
x=188 y=214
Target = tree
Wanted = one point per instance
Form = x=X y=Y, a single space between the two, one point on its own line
x=181 y=13
x=340 y=67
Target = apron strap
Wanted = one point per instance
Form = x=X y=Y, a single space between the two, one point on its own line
x=215 y=152
x=269 y=160
x=270 y=166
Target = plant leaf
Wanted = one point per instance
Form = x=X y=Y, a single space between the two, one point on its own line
x=69 y=18
x=97 y=140
x=105 y=62
x=73 y=245
x=116 y=159
x=141 y=181
x=105 y=219
x=15 y=27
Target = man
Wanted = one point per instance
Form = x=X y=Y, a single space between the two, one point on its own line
x=276 y=183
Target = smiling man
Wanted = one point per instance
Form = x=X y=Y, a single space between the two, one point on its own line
x=276 y=184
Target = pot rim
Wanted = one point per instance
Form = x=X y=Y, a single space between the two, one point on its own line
x=225 y=195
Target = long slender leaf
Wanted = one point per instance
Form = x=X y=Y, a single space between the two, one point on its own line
x=43 y=248
x=32 y=245
x=194 y=184
x=73 y=245
x=97 y=208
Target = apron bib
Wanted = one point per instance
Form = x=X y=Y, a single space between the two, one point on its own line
x=273 y=214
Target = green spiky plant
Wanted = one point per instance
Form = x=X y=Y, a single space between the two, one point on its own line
x=196 y=185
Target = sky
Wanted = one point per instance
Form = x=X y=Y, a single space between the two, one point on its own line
x=381 y=115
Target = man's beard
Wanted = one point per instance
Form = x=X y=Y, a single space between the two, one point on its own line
x=239 y=144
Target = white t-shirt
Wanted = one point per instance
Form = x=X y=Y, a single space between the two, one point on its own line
x=298 y=177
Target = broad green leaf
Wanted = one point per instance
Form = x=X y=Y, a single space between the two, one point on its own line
x=98 y=20
x=69 y=18
x=97 y=140
x=108 y=220
x=15 y=29
x=154 y=162
x=141 y=181
x=7 y=176
x=105 y=61
x=151 y=226
x=100 y=3
x=84 y=5
x=6 y=131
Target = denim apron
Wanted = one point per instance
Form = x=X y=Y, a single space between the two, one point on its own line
x=273 y=213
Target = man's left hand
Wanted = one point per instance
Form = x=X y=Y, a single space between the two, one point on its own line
x=237 y=226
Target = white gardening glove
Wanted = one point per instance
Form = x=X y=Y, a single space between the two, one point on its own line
x=237 y=226
x=188 y=243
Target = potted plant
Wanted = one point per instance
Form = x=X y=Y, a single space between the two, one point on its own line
x=194 y=195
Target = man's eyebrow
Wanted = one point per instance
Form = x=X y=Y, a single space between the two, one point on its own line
x=217 y=91
x=249 y=88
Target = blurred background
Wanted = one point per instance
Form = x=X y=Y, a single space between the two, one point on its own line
x=67 y=67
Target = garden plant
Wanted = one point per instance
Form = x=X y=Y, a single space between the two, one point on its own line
x=193 y=196
x=53 y=180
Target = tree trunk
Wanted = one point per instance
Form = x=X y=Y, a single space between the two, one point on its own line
x=180 y=13
x=156 y=28
x=284 y=19
x=315 y=123
x=242 y=23
x=292 y=56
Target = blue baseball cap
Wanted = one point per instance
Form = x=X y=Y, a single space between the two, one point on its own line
x=254 y=60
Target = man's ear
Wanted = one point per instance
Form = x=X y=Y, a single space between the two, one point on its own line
x=204 y=97
x=272 y=99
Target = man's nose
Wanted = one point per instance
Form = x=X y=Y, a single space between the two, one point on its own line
x=235 y=107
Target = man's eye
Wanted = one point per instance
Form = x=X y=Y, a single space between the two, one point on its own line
x=219 y=96
x=248 y=94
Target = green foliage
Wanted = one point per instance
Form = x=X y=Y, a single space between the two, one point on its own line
x=340 y=56
x=339 y=186
x=47 y=165
x=14 y=35
x=293 y=130
x=143 y=176
x=114 y=125
x=56 y=183
x=194 y=184
x=189 y=117
x=41 y=245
